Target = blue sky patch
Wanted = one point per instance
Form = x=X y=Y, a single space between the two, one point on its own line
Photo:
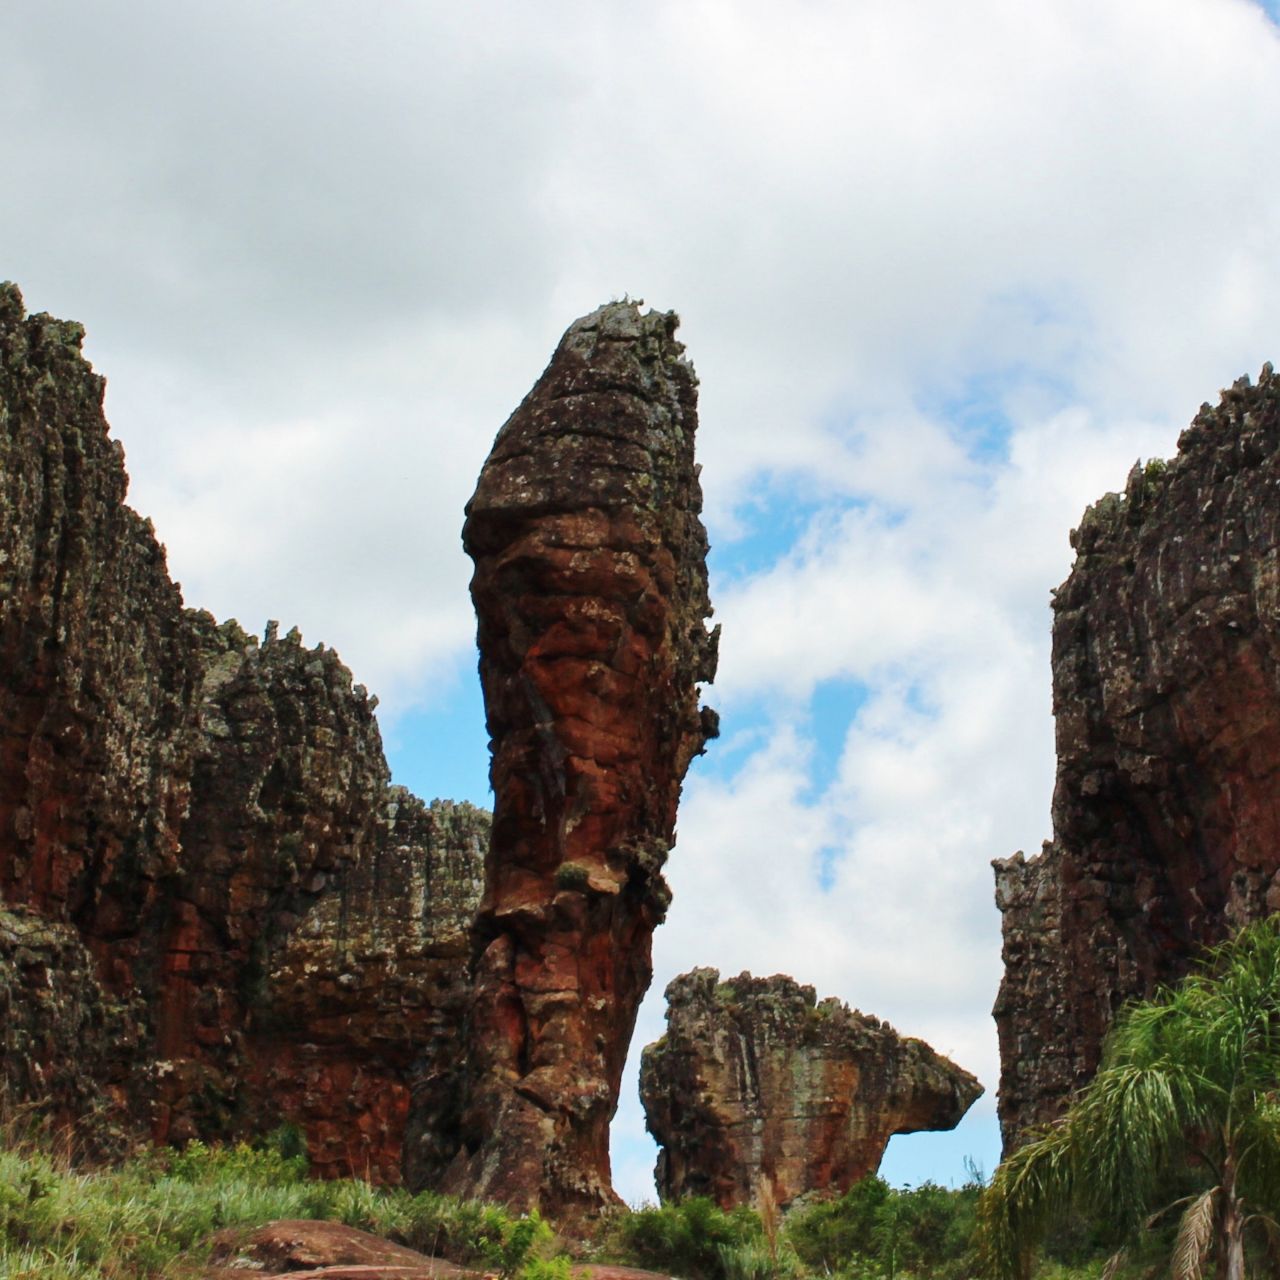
x=913 y=1158
x=443 y=750
x=774 y=517
x=833 y=708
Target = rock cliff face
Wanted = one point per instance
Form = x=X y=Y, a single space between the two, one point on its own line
x=758 y=1091
x=360 y=1032
x=62 y=1040
x=196 y=831
x=1166 y=814
x=590 y=589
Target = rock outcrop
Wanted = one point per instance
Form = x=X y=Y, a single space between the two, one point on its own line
x=1166 y=813
x=293 y=1246
x=238 y=921
x=590 y=589
x=758 y=1092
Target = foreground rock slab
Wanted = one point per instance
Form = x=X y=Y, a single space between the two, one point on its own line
x=759 y=1093
x=290 y=1246
x=1166 y=692
x=302 y=1249
x=590 y=589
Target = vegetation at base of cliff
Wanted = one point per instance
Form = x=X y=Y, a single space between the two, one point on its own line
x=872 y=1232
x=153 y=1216
x=1180 y=1124
x=688 y=1239
x=874 y=1229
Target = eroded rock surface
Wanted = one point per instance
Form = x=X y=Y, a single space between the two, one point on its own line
x=360 y=1035
x=758 y=1091
x=242 y=922
x=1166 y=812
x=63 y=1041
x=591 y=593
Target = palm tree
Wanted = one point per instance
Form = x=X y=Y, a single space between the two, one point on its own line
x=1189 y=1087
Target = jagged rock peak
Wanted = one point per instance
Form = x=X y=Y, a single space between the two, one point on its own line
x=1166 y=834
x=758 y=1091
x=590 y=589
x=235 y=919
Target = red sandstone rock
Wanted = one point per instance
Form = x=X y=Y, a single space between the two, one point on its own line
x=590 y=588
x=1166 y=818
x=358 y=1036
x=433 y=1270
x=293 y=1245
x=759 y=1092
x=247 y=924
x=308 y=1250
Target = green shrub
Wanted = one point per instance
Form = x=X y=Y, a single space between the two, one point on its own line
x=280 y=1159
x=512 y=1247
x=572 y=875
x=686 y=1239
x=465 y=1231
x=760 y=1260
x=875 y=1230
x=559 y=1268
x=830 y=1235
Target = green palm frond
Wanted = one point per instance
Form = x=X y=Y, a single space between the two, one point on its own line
x=1125 y=1127
x=1188 y=1088
x=1027 y=1192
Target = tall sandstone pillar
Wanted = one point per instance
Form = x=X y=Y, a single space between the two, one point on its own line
x=590 y=589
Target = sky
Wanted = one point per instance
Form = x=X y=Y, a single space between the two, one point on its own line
x=945 y=272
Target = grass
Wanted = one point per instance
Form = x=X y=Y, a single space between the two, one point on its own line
x=151 y=1218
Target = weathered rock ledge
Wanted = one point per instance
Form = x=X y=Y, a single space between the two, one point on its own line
x=758 y=1091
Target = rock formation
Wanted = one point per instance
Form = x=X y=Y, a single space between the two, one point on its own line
x=219 y=914
x=757 y=1091
x=310 y=1250
x=590 y=589
x=1166 y=821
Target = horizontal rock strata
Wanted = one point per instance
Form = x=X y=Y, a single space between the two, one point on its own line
x=1166 y=827
x=759 y=1093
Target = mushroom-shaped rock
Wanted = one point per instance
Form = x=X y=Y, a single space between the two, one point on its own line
x=758 y=1091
